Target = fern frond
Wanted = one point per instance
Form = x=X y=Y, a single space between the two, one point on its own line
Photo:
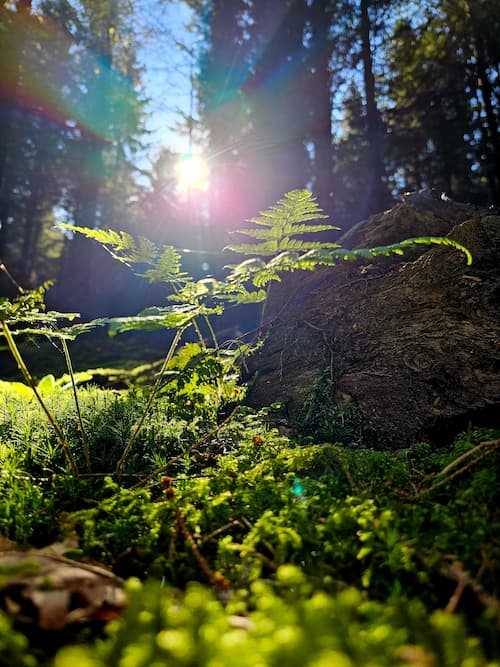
x=152 y=319
x=192 y=292
x=296 y=245
x=262 y=234
x=144 y=252
x=244 y=296
x=436 y=240
x=258 y=273
x=284 y=220
x=167 y=268
x=266 y=249
x=325 y=257
x=309 y=229
x=120 y=245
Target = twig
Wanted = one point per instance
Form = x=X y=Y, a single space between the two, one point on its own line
x=493 y=444
x=152 y=395
x=455 y=571
x=30 y=381
x=86 y=447
x=214 y=578
x=267 y=561
x=465 y=455
x=221 y=530
x=173 y=542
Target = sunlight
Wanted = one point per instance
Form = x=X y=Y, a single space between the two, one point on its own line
x=192 y=173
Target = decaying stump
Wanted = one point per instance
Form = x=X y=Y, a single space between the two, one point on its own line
x=411 y=343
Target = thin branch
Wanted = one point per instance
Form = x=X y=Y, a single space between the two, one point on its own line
x=154 y=391
x=492 y=444
x=215 y=578
x=86 y=447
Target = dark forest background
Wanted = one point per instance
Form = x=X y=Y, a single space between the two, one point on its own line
x=357 y=100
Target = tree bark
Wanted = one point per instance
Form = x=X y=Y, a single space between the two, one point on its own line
x=378 y=195
x=321 y=131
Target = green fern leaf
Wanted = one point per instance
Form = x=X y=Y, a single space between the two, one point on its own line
x=167 y=268
x=247 y=297
x=311 y=229
x=285 y=220
x=144 y=252
x=266 y=249
x=262 y=234
x=265 y=277
x=245 y=270
x=120 y=245
x=153 y=319
x=436 y=240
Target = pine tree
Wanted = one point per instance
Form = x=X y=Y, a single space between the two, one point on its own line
x=108 y=116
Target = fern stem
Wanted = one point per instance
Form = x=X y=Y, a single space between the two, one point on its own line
x=200 y=335
x=86 y=448
x=212 y=333
x=154 y=391
x=265 y=303
x=30 y=381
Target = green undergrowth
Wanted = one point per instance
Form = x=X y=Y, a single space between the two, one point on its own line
x=248 y=548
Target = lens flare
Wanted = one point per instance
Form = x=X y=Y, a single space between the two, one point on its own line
x=192 y=173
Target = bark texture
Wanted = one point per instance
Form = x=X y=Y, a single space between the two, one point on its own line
x=411 y=343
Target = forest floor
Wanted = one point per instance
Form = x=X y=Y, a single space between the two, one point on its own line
x=217 y=540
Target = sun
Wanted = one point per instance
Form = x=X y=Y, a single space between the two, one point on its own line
x=192 y=173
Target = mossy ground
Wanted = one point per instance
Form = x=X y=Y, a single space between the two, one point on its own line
x=252 y=549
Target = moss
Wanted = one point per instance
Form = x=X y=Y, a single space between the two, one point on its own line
x=323 y=417
x=324 y=553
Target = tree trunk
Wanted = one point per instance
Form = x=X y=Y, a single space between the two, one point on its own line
x=378 y=195
x=321 y=131
x=484 y=86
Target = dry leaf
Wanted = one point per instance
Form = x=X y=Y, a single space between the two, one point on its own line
x=42 y=587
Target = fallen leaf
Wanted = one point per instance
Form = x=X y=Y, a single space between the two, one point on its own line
x=42 y=587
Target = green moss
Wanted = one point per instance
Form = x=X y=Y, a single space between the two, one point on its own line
x=323 y=554
x=274 y=626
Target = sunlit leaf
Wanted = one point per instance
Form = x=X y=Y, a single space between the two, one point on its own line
x=284 y=220
x=121 y=245
x=47 y=385
x=167 y=267
x=16 y=389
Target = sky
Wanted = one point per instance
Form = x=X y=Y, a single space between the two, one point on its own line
x=167 y=70
x=162 y=32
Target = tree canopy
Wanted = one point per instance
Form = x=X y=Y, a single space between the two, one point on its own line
x=357 y=100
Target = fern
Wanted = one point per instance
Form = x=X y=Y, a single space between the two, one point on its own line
x=167 y=268
x=276 y=237
x=314 y=258
x=165 y=263
x=26 y=314
x=120 y=245
x=285 y=220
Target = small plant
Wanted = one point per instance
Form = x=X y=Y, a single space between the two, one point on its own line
x=26 y=314
x=276 y=235
x=257 y=549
